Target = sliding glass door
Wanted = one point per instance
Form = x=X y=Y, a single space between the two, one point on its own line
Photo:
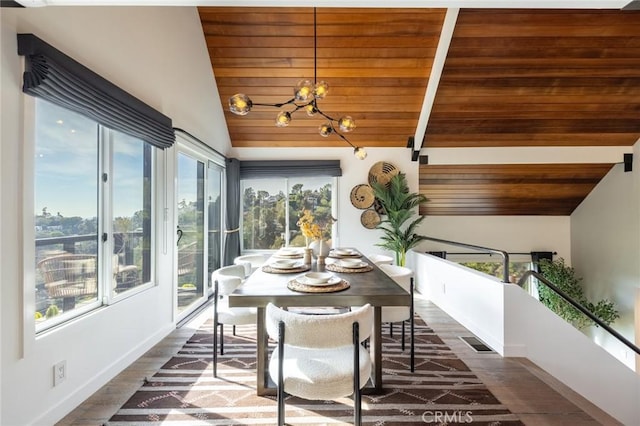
x=199 y=217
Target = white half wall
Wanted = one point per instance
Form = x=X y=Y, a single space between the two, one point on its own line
x=515 y=324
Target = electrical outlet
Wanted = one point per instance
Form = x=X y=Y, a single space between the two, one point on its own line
x=59 y=372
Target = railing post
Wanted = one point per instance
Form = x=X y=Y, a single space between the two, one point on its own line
x=69 y=246
x=505 y=261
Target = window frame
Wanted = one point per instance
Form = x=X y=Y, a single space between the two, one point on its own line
x=106 y=296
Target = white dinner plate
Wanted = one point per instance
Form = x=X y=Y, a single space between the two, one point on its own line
x=332 y=281
x=344 y=252
x=286 y=265
x=288 y=255
x=352 y=265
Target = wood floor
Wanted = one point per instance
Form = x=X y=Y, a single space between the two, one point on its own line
x=534 y=396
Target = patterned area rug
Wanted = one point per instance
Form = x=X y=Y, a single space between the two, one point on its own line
x=442 y=390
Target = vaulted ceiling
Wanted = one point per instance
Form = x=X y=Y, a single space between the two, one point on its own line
x=481 y=78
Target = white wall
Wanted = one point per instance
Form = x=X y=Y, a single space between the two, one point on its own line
x=146 y=52
x=605 y=246
x=514 y=234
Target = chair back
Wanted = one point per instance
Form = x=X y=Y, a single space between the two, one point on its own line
x=399 y=274
x=228 y=278
x=380 y=259
x=251 y=262
x=319 y=331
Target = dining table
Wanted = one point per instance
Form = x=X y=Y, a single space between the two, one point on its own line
x=286 y=288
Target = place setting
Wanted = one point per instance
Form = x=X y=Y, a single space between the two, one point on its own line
x=348 y=265
x=289 y=253
x=285 y=266
x=341 y=253
x=317 y=282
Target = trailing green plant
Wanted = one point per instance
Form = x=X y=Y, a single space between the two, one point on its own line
x=398 y=225
x=564 y=277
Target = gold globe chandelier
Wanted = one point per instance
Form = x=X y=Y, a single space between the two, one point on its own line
x=305 y=97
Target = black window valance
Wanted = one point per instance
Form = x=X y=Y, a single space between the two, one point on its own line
x=262 y=169
x=53 y=76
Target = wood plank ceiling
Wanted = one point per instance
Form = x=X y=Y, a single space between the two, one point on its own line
x=511 y=78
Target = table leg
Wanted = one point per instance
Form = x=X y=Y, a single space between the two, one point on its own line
x=376 y=347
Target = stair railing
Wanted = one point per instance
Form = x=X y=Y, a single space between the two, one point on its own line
x=578 y=306
x=504 y=254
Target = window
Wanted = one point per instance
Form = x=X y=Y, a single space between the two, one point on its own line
x=89 y=181
x=271 y=208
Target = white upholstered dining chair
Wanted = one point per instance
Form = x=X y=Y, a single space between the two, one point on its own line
x=391 y=314
x=225 y=280
x=380 y=259
x=251 y=262
x=320 y=357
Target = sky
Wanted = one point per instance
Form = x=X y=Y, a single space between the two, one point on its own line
x=66 y=159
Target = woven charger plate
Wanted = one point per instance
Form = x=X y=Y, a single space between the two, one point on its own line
x=305 y=288
x=362 y=196
x=334 y=267
x=271 y=270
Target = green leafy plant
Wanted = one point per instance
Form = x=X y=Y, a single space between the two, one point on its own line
x=564 y=277
x=398 y=225
x=52 y=311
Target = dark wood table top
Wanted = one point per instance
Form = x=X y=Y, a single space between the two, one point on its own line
x=373 y=287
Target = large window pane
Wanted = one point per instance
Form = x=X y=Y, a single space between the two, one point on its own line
x=271 y=209
x=263 y=214
x=84 y=176
x=66 y=216
x=131 y=227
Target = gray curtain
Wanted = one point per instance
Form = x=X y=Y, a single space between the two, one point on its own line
x=232 y=231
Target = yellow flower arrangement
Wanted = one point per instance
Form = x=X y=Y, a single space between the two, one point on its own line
x=312 y=230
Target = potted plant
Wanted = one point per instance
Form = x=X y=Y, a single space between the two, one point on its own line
x=398 y=224
x=564 y=277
